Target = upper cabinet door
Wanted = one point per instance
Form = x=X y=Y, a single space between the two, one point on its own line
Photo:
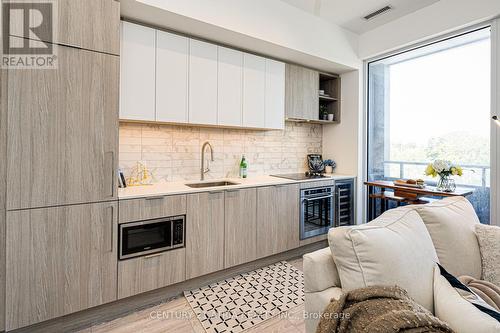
x=230 y=87
x=275 y=94
x=138 y=58
x=302 y=99
x=89 y=24
x=202 y=83
x=254 y=91
x=171 y=77
x=63 y=131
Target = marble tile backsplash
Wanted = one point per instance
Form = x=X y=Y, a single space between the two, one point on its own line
x=173 y=152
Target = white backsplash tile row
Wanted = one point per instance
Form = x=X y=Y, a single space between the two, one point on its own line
x=172 y=152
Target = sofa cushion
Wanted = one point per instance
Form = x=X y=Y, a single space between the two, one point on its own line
x=451 y=224
x=489 y=292
x=457 y=311
x=394 y=249
x=315 y=304
x=488 y=237
x=320 y=272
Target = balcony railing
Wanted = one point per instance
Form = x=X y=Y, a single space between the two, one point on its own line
x=479 y=180
x=482 y=169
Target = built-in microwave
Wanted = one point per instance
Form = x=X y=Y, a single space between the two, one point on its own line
x=151 y=236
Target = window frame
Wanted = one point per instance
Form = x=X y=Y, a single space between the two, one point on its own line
x=494 y=25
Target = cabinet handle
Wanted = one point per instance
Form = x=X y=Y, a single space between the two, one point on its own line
x=214 y=195
x=232 y=191
x=338 y=207
x=112 y=228
x=155 y=198
x=153 y=255
x=318 y=198
x=113 y=173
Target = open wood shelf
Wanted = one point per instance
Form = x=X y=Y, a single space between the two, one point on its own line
x=311 y=95
x=324 y=122
x=330 y=84
x=318 y=121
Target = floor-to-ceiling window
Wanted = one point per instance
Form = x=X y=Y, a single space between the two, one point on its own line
x=432 y=103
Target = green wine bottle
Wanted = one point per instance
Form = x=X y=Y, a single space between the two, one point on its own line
x=243 y=167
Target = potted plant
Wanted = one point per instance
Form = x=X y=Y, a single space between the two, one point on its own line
x=330 y=165
x=444 y=169
x=323 y=111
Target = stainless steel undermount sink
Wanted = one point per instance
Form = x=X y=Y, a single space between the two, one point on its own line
x=211 y=184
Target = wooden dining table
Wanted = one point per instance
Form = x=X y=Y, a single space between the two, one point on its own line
x=404 y=195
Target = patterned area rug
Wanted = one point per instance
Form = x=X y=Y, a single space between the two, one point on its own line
x=239 y=303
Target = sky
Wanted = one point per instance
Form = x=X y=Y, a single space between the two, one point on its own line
x=442 y=92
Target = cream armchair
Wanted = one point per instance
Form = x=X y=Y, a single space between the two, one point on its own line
x=400 y=247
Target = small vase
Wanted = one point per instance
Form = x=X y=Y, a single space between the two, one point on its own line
x=446 y=184
x=329 y=169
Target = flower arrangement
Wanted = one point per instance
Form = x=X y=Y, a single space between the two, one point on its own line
x=444 y=169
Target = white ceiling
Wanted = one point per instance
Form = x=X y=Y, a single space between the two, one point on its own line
x=349 y=13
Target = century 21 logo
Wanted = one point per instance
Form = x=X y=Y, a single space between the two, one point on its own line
x=33 y=21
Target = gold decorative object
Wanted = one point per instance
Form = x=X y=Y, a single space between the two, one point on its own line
x=140 y=175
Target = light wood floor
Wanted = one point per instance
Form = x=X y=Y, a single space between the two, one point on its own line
x=177 y=316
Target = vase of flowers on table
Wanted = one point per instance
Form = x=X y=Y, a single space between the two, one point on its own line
x=445 y=170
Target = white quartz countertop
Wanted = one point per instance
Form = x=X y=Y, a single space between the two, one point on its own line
x=172 y=188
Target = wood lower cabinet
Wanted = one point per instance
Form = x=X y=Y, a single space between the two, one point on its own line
x=240 y=227
x=205 y=233
x=3 y=193
x=301 y=93
x=151 y=272
x=152 y=208
x=59 y=260
x=277 y=219
x=63 y=131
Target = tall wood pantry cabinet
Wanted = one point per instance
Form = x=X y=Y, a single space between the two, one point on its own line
x=58 y=205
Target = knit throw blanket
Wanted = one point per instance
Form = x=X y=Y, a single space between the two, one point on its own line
x=378 y=310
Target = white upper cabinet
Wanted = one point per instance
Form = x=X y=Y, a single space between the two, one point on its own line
x=254 y=91
x=172 y=56
x=170 y=78
x=230 y=87
x=137 y=88
x=275 y=94
x=202 y=83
